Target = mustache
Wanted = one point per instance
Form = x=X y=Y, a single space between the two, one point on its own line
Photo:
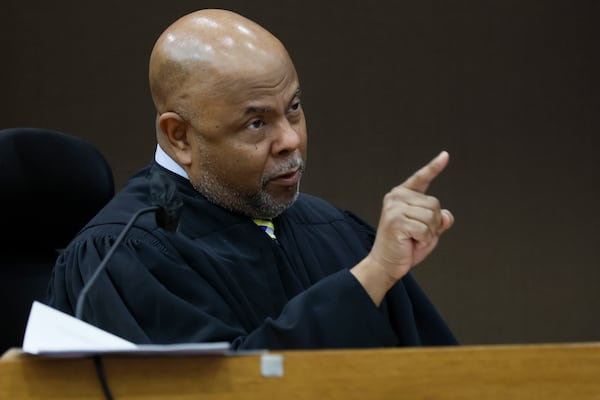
x=288 y=166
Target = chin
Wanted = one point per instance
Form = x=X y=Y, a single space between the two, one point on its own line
x=271 y=207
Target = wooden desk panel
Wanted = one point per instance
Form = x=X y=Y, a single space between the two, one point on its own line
x=567 y=371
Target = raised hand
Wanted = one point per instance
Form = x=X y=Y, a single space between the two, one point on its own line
x=409 y=228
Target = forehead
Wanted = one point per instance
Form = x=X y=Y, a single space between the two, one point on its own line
x=239 y=87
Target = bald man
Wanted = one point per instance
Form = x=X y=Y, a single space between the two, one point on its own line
x=253 y=261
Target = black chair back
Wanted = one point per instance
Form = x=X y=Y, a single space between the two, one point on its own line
x=51 y=185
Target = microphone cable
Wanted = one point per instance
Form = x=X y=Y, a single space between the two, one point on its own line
x=99 y=364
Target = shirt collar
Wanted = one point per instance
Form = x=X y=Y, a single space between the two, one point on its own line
x=165 y=161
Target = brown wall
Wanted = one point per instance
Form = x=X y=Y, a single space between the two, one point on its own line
x=509 y=88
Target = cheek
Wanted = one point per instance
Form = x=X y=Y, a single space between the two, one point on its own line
x=244 y=165
x=303 y=136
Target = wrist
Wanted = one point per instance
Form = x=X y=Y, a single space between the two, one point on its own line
x=373 y=278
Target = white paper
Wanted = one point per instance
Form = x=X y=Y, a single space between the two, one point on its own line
x=52 y=332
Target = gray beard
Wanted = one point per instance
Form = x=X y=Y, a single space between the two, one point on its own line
x=258 y=204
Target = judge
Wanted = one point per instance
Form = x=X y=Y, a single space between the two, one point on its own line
x=231 y=135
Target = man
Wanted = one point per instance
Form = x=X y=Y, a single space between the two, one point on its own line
x=232 y=136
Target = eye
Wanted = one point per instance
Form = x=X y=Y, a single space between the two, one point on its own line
x=256 y=124
x=295 y=106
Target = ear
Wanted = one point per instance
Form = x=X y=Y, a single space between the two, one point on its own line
x=175 y=136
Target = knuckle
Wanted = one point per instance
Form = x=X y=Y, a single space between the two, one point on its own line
x=398 y=191
x=430 y=215
x=422 y=230
x=388 y=197
x=394 y=198
x=434 y=202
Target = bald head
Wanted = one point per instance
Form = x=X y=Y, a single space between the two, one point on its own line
x=203 y=48
x=228 y=106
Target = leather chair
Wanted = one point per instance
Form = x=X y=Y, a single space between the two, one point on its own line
x=51 y=185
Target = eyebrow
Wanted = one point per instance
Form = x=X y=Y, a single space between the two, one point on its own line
x=263 y=110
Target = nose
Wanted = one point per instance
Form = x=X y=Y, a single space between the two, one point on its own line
x=288 y=139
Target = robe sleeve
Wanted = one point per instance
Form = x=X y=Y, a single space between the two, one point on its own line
x=336 y=312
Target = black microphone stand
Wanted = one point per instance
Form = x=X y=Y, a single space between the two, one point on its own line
x=83 y=294
x=167 y=207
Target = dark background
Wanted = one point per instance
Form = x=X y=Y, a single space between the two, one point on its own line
x=508 y=87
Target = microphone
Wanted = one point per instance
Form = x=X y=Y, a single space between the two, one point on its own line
x=167 y=207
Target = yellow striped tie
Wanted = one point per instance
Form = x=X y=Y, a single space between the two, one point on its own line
x=267 y=226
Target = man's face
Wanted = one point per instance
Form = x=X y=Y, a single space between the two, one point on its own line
x=250 y=141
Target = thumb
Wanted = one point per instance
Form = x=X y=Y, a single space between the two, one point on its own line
x=447 y=221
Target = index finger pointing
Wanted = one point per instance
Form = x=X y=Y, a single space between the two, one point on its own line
x=420 y=180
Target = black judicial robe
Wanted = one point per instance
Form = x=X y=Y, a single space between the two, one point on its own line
x=221 y=278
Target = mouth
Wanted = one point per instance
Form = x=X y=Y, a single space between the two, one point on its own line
x=287 y=178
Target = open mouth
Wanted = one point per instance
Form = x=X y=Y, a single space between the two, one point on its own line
x=288 y=175
x=287 y=179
